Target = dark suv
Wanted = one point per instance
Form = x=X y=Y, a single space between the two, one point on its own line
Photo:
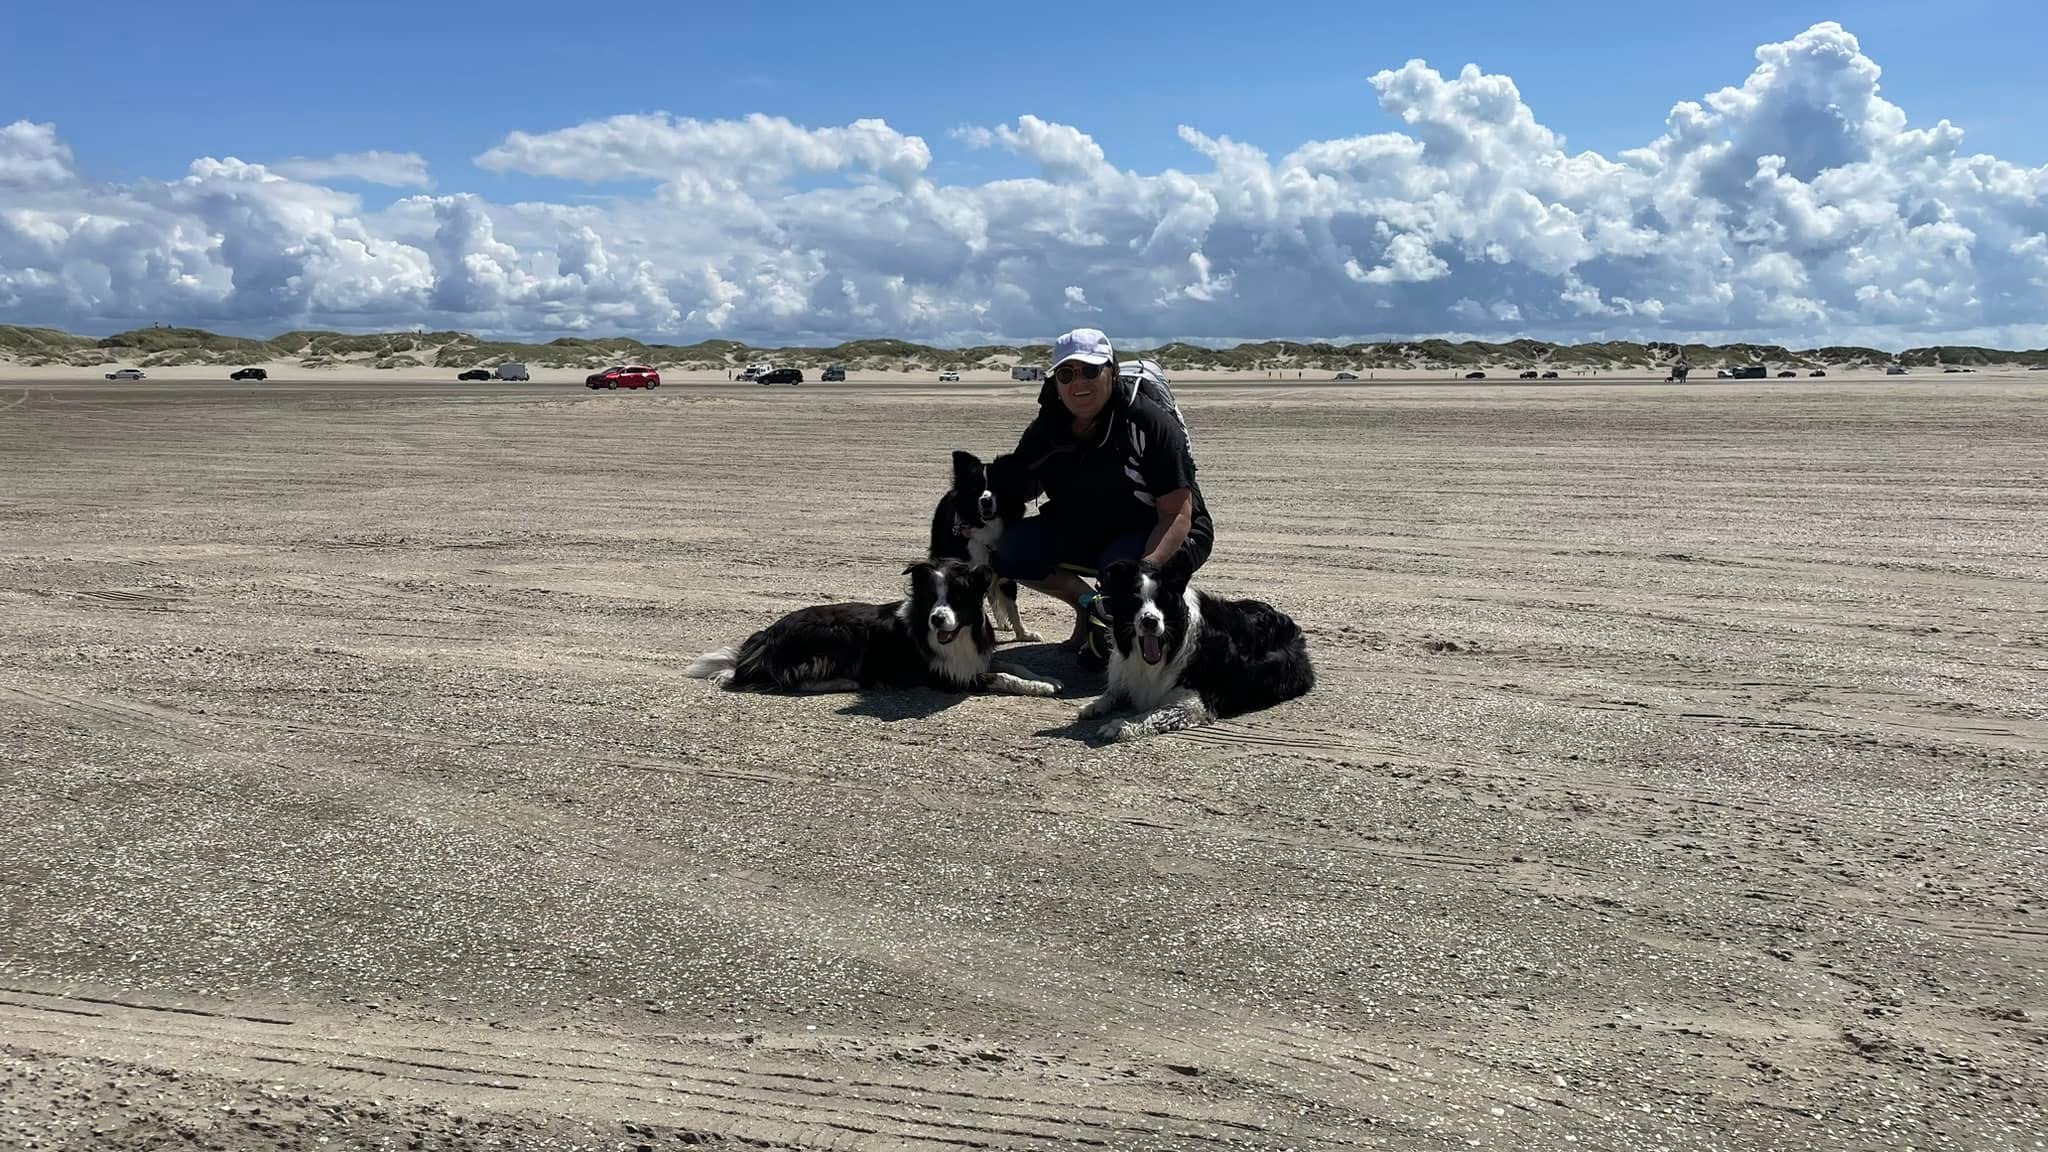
x=835 y=372
x=249 y=374
x=782 y=376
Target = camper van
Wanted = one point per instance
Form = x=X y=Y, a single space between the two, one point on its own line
x=513 y=372
x=757 y=369
x=1027 y=372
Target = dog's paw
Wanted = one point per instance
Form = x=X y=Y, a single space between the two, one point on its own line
x=1119 y=731
x=1100 y=706
x=1013 y=684
x=1027 y=636
x=723 y=679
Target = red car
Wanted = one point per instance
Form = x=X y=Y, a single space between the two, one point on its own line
x=626 y=376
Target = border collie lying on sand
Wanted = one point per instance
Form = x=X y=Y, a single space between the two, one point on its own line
x=937 y=636
x=969 y=522
x=1182 y=658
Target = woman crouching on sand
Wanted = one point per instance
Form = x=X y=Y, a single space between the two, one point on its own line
x=1119 y=481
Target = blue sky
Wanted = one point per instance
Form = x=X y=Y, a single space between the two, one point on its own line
x=140 y=89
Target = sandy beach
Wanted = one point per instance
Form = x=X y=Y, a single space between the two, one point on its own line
x=1673 y=780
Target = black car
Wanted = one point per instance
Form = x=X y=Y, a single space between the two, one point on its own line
x=1529 y=375
x=781 y=376
x=475 y=374
x=833 y=373
x=1787 y=374
x=1816 y=372
x=249 y=374
x=1550 y=375
x=1475 y=375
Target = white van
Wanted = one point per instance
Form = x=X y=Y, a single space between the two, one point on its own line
x=512 y=372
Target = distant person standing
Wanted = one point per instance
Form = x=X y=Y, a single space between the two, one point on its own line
x=1119 y=481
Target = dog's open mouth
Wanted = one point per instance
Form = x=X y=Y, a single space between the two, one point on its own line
x=1148 y=647
x=945 y=636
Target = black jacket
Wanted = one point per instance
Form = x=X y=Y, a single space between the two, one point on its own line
x=1111 y=483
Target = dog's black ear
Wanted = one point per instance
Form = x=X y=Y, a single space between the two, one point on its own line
x=1177 y=570
x=915 y=565
x=1119 y=574
x=964 y=462
x=982 y=575
x=1006 y=476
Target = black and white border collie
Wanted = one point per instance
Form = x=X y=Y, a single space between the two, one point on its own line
x=969 y=522
x=937 y=636
x=1183 y=658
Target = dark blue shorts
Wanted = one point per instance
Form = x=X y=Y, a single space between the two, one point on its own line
x=1036 y=545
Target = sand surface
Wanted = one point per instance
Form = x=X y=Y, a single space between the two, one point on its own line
x=1675 y=780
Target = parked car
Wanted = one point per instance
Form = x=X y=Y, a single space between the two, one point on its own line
x=781 y=376
x=513 y=372
x=1818 y=372
x=624 y=376
x=125 y=374
x=1347 y=375
x=475 y=374
x=949 y=377
x=1748 y=372
x=1529 y=375
x=1475 y=375
x=1895 y=370
x=1788 y=374
x=249 y=374
x=835 y=372
x=1550 y=375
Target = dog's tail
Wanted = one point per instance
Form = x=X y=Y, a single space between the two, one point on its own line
x=716 y=665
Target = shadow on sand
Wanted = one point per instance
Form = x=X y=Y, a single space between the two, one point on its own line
x=1035 y=661
x=1077 y=729
x=1051 y=662
x=901 y=704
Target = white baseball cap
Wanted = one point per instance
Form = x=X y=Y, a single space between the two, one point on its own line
x=1088 y=345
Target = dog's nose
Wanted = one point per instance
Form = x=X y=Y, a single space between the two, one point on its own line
x=988 y=504
x=1150 y=625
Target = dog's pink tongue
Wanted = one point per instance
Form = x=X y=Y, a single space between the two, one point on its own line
x=1148 y=647
x=946 y=637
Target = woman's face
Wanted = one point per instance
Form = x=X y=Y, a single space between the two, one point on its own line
x=1084 y=395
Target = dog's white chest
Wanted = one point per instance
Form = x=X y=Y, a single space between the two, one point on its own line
x=962 y=661
x=981 y=543
x=1146 y=686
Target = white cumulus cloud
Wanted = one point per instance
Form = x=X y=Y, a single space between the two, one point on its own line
x=755 y=150
x=32 y=154
x=393 y=169
x=1796 y=204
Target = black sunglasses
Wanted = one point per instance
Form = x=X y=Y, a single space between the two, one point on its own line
x=1066 y=372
